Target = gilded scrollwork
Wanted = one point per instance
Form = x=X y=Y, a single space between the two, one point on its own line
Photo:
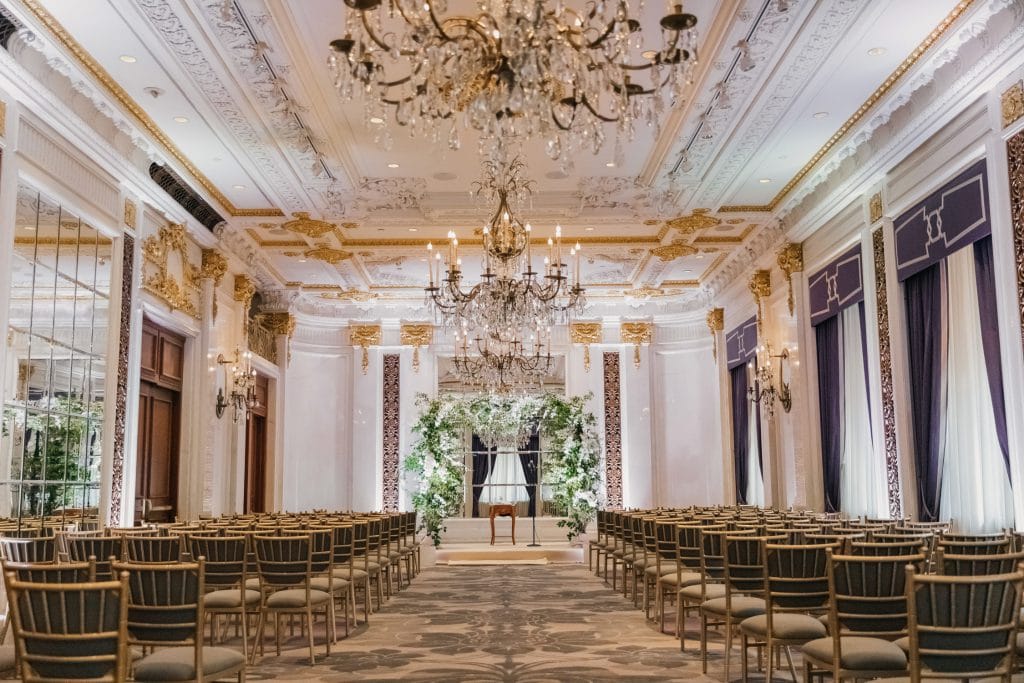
x=761 y=287
x=637 y=334
x=1012 y=103
x=179 y=291
x=214 y=266
x=1015 y=164
x=875 y=209
x=365 y=336
x=586 y=334
x=302 y=224
x=416 y=335
x=716 y=324
x=694 y=222
x=612 y=431
x=885 y=360
x=791 y=260
x=670 y=252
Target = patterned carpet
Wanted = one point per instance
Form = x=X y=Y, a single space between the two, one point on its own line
x=521 y=624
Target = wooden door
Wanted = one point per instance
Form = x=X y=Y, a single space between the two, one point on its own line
x=156 y=482
x=256 y=451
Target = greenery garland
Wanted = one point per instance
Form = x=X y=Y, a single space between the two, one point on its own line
x=571 y=470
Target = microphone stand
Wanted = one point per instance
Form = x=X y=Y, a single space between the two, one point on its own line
x=536 y=497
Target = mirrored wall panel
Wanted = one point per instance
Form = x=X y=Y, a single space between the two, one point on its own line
x=51 y=440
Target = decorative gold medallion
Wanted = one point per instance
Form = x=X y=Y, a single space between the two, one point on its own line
x=214 y=266
x=875 y=210
x=1012 y=103
x=310 y=227
x=636 y=333
x=364 y=336
x=694 y=222
x=328 y=255
x=670 y=252
x=586 y=334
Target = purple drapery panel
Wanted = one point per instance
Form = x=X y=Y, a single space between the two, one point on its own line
x=483 y=463
x=985 y=276
x=830 y=401
x=740 y=421
x=924 y=300
x=528 y=460
x=951 y=218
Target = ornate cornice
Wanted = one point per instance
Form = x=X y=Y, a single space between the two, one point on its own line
x=279 y=322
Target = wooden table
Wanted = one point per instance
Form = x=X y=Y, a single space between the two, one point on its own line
x=503 y=510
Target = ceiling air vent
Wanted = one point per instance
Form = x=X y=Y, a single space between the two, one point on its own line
x=172 y=184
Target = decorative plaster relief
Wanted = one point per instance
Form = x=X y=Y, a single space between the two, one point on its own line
x=121 y=397
x=892 y=465
x=1015 y=164
x=168 y=272
x=392 y=429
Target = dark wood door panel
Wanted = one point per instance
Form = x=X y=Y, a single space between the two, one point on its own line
x=156 y=488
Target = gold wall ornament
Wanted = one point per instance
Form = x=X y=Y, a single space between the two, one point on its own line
x=716 y=323
x=328 y=255
x=761 y=287
x=1012 y=103
x=310 y=227
x=647 y=292
x=279 y=322
x=244 y=290
x=179 y=294
x=791 y=260
x=670 y=252
x=214 y=266
x=636 y=333
x=364 y=336
x=129 y=213
x=586 y=334
x=875 y=210
x=3 y=119
x=350 y=295
x=694 y=222
x=416 y=335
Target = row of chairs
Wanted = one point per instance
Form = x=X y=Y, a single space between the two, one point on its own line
x=263 y=567
x=862 y=598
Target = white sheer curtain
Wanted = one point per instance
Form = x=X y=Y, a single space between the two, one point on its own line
x=975 y=488
x=506 y=483
x=755 y=482
x=862 y=476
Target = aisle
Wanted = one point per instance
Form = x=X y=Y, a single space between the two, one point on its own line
x=489 y=623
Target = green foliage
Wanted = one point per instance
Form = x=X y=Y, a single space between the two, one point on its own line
x=571 y=469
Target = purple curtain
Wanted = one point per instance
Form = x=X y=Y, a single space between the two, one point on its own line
x=483 y=461
x=740 y=424
x=985 y=276
x=830 y=400
x=528 y=459
x=924 y=300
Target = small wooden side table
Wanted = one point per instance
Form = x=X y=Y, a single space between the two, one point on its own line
x=503 y=510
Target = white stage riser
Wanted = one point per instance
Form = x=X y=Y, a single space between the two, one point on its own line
x=478 y=530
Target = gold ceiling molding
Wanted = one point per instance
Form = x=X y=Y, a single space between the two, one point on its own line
x=650 y=292
x=636 y=333
x=214 y=266
x=310 y=227
x=179 y=294
x=761 y=287
x=670 y=252
x=716 y=324
x=1011 y=103
x=875 y=210
x=364 y=336
x=86 y=61
x=416 y=335
x=680 y=283
x=725 y=239
x=245 y=289
x=129 y=213
x=791 y=260
x=328 y=255
x=346 y=294
x=586 y=334
x=745 y=208
x=873 y=99
x=694 y=222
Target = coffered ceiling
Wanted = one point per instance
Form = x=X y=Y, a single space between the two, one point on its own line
x=240 y=95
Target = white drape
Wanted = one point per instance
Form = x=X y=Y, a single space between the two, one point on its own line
x=506 y=483
x=862 y=476
x=755 y=482
x=974 y=487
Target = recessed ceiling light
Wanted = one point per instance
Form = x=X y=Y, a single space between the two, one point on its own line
x=302 y=259
x=181 y=119
x=687 y=272
x=238 y=187
x=698 y=256
x=765 y=180
x=821 y=114
x=128 y=59
x=392 y=165
x=30 y=227
x=649 y=54
x=610 y=164
x=876 y=51
x=376 y=119
x=589 y=229
x=413 y=229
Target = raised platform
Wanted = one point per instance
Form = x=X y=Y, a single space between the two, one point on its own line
x=506 y=553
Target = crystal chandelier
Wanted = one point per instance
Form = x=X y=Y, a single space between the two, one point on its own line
x=518 y=68
x=503 y=323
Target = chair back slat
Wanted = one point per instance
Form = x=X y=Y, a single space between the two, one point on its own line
x=42 y=549
x=868 y=594
x=152 y=549
x=165 y=602
x=976 y=565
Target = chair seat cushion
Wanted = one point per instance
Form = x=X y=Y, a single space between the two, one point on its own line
x=323 y=583
x=357 y=575
x=682 y=580
x=785 y=626
x=230 y=597
x=252 y=584
x=296 y=597
x=178 y=664
x=711 y=590
x=859 y=653
x=740 y=607
x=394 y=554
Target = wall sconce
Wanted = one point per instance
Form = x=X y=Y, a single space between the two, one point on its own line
x=242 y=398
x=763 y=388
x=586 y=334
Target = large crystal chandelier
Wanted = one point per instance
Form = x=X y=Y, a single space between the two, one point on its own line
x=518 y=68
x=502 y=324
